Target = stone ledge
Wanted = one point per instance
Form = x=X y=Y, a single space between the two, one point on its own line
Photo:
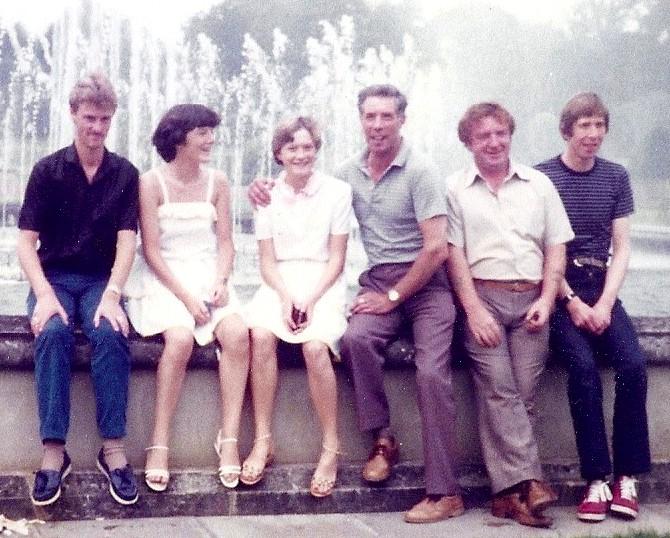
x=16 y=351
x=284 y=491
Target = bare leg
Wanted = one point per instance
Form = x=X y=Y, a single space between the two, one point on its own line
x=169 y=380
x=233 y=337
x=263 y=388
x=323 y=389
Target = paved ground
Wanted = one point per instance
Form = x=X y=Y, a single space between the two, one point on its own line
x=477 y=523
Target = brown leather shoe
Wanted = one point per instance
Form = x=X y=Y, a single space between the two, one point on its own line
x=538 y=495
x=384 y=455
x=511 y=506
x=428 y=511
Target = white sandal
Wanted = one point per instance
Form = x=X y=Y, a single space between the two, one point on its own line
x=150 y=475
x=226 y=471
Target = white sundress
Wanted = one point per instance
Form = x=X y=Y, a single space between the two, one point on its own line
x=300 y=227
x=188 y=244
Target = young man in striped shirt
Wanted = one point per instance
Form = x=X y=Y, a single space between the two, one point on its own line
x=590 y=320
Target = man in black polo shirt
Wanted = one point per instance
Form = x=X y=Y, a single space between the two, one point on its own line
x=81 y=204
x=590 y=320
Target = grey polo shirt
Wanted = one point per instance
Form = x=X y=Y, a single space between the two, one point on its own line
x=389 y=211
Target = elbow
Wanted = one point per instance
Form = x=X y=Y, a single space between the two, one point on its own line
x=438 y=251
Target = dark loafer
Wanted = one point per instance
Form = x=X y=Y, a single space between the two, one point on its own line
x=122 y=483
x=48 y=483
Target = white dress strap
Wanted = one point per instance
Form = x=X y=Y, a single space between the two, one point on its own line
x=163 y=186
x=210 y=186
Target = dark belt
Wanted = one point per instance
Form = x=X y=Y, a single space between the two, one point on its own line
x=508 y=285
x=589 y=261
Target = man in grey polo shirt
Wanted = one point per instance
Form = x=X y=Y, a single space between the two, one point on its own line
x=399 y=202
x=507 y=235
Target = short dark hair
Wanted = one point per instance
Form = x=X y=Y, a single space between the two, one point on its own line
x=175 y=125
x=94 y=88
x=582 y=105
x=285 y=132
x=478 y=112
x=383 y=90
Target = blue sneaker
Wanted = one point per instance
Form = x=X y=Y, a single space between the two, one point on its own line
x=48 y=483
x=122 y=483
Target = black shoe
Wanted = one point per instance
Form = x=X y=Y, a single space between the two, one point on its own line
x=122 y=484
x=48 y=483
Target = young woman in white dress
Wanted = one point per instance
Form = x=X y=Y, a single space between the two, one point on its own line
x=180 y=284
x=302 y=239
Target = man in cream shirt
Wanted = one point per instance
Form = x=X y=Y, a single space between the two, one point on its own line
x=507 y=235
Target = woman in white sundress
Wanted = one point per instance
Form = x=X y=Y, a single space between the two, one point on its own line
x=302 y=239
x=180 y=284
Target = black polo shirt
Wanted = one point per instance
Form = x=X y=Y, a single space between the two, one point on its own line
x=77 y=221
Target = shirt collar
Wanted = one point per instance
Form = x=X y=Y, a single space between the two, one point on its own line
x=309 y=190
x=72 y=157
x=399 y=161
x=515 y=171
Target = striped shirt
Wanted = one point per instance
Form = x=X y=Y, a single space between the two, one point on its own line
x=592 y=200
x=390 y=210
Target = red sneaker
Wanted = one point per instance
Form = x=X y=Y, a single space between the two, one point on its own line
x=596 y=502
x=624 y=498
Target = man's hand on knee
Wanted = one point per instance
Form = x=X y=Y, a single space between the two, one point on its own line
x=110 y=309
x=46 y=306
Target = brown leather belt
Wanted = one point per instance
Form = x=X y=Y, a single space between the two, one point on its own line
x=508 y=285
x=589 y=261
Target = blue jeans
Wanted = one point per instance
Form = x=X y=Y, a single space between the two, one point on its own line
x=581 y=350
x=54 y=349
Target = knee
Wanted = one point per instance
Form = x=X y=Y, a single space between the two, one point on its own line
x=178 y=347
x=264 y=345
x=55 y=331
x=316 y=355
x=358 y=345
x=633 y=375
x=234 y=337
x=104 y=334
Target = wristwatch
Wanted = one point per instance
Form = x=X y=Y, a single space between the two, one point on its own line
x=393 y=295
x=568 y=297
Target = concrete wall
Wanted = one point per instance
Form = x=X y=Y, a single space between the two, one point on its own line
x=296 y=427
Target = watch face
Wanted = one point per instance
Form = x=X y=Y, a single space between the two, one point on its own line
x=393 y=295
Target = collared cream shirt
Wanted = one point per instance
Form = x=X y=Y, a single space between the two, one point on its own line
x=504 y=234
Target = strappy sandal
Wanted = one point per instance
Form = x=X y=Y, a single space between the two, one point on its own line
x=156 y=479
x=252 y=475
x=227 y=471
x=320 y=486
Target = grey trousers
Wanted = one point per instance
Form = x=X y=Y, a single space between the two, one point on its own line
x=506 y=379
x=431 y=314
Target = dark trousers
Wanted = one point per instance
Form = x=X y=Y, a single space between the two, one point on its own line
x=431 y=314
x=54 y=349
x=580 y=350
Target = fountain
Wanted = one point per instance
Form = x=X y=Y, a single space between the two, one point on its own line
x=150 y=74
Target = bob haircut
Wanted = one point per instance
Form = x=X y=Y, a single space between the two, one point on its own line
x=582 y=105
x=478 y=112
x=383 y=90
x=285 y=132
x=96 y=89
x=176 y=124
